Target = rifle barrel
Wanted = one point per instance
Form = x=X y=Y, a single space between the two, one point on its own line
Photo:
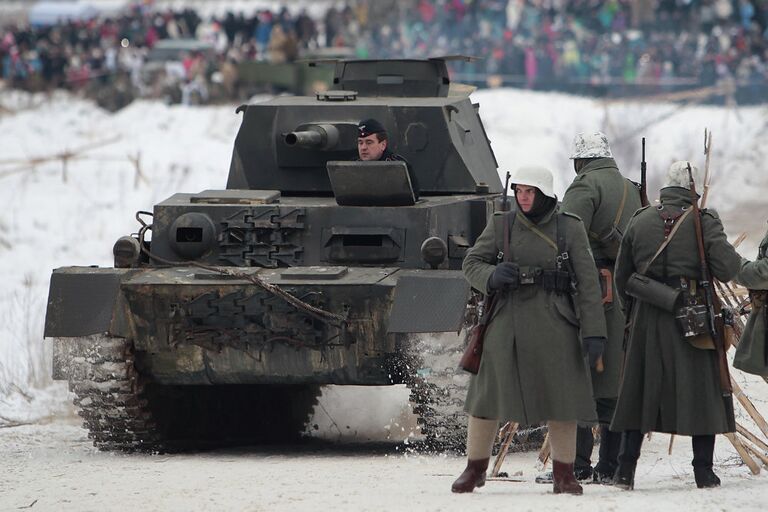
x=706 y=284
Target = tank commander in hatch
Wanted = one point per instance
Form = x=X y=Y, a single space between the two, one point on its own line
x=372 y=145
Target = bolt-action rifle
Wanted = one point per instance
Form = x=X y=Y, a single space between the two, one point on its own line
x=644 y=202
x=470 y=361
x=712 y=303
x=643 y=179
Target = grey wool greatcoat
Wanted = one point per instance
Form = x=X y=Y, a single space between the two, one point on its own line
x=751 y=354
x=602 y=197
x=668 y=385
x=532 y=369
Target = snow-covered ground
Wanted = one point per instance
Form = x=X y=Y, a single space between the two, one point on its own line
x=54 y=467
x=55 y=215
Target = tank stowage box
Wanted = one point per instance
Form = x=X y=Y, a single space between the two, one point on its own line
x=311 y=268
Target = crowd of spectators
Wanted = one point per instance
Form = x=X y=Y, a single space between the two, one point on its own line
x=613 y=46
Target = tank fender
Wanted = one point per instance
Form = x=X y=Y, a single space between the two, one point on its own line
x=87 y=300
x=429 y=301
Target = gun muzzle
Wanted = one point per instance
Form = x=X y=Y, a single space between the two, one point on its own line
x=319 y=136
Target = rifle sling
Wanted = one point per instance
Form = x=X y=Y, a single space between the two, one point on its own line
x=666 y=241
x=537 y=231
x=619 y=213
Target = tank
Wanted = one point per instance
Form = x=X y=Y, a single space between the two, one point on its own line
x=223 y=317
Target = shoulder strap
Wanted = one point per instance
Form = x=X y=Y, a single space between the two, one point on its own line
x=537 y=231
x=619 y=212
x=563 y=258
x=621 y=206
x=677 y=221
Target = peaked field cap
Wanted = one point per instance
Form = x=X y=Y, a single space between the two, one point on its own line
x=591 y=145
x=677 y=175
x=535 y=176
x=368 y=127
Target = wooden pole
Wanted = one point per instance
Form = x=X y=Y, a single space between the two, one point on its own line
x=752 y=437
x=750 y=408
x=743 y=453
x=545 y=451
x=507 y=432
x=671 y=442
x=757 y=453
x=708 y=153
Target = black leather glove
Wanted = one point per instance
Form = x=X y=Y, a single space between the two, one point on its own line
x=593 y=348
x=505 y=274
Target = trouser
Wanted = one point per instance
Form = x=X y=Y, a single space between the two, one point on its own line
x=609 y=441
x=703 y=449
x=481 y=433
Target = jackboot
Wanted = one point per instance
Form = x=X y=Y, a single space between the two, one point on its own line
x=585 y=443
x=631 y=442
x=703 y=450
x=610 y=443
x=564 y=481
x=473 y=476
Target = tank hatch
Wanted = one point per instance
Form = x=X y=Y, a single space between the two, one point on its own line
x=422 y=78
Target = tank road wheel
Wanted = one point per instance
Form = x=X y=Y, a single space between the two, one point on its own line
x=429 y=367
x=108 y=392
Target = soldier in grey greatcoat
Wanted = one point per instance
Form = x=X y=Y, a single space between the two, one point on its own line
x=669 y=385
x=533 y=369
x=752 y=353
x=605 y=201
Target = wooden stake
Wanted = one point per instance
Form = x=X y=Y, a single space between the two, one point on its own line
x=545 y=451
x=743 y=453
x=671 y=442
x=752 y=437
x=507 y=432
x=708 y=153
x=750 y=408
x=757 y=453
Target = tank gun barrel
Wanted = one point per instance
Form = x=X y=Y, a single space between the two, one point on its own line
x=316 y=136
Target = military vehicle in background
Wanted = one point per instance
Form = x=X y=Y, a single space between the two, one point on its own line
x=310 y=74
x=309 y=269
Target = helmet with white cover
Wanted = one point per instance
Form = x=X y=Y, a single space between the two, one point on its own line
x=677 y=175
x=591 y=145
x=535 y=176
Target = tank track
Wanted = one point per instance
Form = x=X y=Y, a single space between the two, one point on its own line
x=438 y=392
x=438 y=389
x=109 y=396
x=122 y=411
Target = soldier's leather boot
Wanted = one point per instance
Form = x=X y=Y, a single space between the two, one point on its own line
x=703 y=450
x=564 y=482
x=473 y=476
x=631 y=442
x=610 y=443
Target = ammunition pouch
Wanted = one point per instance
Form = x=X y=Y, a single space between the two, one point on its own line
x=557 y=281
x=653 y=292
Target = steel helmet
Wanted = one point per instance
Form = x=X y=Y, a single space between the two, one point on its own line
x=591 y=145
x=535 y=176
x=677 y=175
